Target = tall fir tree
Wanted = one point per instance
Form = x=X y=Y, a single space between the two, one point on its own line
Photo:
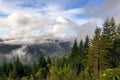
x=86 y=48
x=87 y=42
x=81 y=46
x=107 y=41
x=73 y=55
x=94 y=56
x=80 y=57
x=75 y=48
x=42 y=61
x=115 y=51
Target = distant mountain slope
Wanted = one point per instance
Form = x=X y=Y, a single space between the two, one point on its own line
x=7 y=48
x=30 y=52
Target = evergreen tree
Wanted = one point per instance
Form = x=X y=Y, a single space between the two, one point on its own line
x=81 y=46
x=42 y=67
x=73 y=55
x=115 y=50
x=107 y=42
x=6 y=67
x=42 y=61
x=79 y=59
x=114 y=60
x=18 y=68
x=118 y=31
x=34 y=68
x=49 y=60
x=87 y=43
x=27 y=70
x=75 y=48
x=94 y=56
x=85 y=51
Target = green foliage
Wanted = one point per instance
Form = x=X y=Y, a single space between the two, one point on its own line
x=104 y=51
x=74 y=49
x=94 y=56
x=87 y=42
x=107 y=41
x=92 y=59
x=64 y=73
x=42 y=61
x=111 y=74
x=49 y=60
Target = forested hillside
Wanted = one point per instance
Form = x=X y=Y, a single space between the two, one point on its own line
x=96 y=58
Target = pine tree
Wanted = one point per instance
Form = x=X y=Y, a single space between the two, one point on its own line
x=74 y=60
x=94 y=56
x=115 y=51
x=85 y=51
x=118 y=31
x=75 y=48
x=86 y=45
x=73 y=55
x=79 y=57
x=34 y=68
x=107 y=42
x=114 y=60
x=81 y=46
x=42 y=61
x=42 y=67
x=18 y=68
x=5 y=68
x=48 y=60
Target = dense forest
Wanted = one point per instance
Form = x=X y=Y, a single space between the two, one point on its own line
x=96 y=58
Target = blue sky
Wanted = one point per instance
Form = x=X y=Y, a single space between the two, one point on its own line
x=26 y=17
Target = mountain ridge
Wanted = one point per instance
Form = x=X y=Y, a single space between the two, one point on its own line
x=29 y=53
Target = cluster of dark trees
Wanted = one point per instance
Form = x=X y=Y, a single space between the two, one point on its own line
x=97 y=58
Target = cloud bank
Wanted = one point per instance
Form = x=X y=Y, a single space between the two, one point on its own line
x=66 y=19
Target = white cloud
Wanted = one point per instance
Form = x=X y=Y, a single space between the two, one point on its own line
x=47 y=26
x=23 y=23
x=53 y=19
x=46 y=20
